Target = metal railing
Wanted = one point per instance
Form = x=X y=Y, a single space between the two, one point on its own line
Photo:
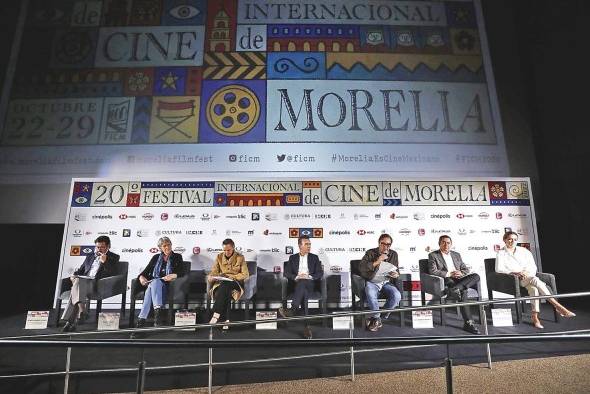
x=390 y=343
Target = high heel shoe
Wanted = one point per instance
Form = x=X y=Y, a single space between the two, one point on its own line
x=566 y=313
x=536 y=322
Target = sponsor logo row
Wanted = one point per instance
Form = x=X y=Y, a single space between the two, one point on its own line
x=256 y=216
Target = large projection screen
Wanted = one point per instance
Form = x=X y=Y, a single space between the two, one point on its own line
x=343 y=218
x=283 y=88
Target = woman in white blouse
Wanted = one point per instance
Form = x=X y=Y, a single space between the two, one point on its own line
x=519 y=261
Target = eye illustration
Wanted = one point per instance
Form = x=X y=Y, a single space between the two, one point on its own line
x=49 y=14
x=184 y=12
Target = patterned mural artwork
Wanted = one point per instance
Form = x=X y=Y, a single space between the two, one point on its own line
x=247 y=71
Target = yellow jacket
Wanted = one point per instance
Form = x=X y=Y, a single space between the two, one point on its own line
x=234 y=268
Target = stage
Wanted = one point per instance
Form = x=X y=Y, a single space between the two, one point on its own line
x=25 y=361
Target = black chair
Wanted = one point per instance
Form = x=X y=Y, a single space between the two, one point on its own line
x=249 y=296
x=358 y=283
x=510 y=284
x=104 y=288
x=269 y=287
x=319 y=293
x=435 y=286
x=176 y=294
x=197 y=288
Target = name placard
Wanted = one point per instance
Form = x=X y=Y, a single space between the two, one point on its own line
x=185 y=318
x=422 y=319
x=502 y=317
x=341 y=322
x=37 y=320
x=108 y=321
x=266 y=315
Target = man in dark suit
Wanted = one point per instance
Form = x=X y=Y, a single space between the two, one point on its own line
x=100 y=264
x=302 y=270
x=448 y=265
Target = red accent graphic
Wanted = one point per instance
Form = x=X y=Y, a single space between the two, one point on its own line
x=497 y=190
x=221 y=26
x=133 y=200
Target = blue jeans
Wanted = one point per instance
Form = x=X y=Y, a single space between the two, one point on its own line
x=154 y=294
x=391 y=293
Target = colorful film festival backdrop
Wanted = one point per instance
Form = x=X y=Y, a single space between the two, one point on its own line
x=245 y=85
x=265 y=218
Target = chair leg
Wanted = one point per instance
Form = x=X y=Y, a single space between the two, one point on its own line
x=123 y=299
x=170 y=314
x=402 y=320
x=518 y=312
x=57 y=311
x=131 y=312
x=98 y=308
x=442 y=314
x=246 y=309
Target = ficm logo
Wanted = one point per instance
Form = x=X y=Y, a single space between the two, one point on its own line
x=421 y=232
x=154 y=250
x=123 y=216
x=196 y=250
x=361 y=232
x=498 y=215
x=164 y=216
x=460 y=216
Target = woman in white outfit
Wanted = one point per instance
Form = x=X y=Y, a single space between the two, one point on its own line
x=519 y=261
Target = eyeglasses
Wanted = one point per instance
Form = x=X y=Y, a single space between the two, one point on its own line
x=385 y=244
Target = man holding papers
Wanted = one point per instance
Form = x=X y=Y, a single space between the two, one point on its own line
x=227 y=280
x=99 y=264
x=379 y=268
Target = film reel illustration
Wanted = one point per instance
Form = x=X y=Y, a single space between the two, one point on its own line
x=233 y=110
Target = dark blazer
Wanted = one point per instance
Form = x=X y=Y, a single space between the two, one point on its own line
x=105 y=269
x=175 y=260
x=366 y=268
x=437 y=265
x=314 y=267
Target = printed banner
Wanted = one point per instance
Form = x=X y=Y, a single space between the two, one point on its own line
x=343 y=219
x=201 y=86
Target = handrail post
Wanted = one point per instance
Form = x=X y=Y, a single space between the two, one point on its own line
x=67 y=374
x=486 y=333
x=140 y=377
x=449 y=372
x=210 y=361
x=351 y=336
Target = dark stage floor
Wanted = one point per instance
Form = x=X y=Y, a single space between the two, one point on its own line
x=35 y=360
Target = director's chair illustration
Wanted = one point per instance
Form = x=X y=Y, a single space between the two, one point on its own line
x=175 y=114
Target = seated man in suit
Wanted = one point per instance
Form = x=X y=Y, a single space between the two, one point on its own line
x=100 y=264
x=448 y=265
x=379 y=268
x=302 y=270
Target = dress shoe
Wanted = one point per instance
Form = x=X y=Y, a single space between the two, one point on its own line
x=70 y=326
x=284 y=312
x=157 y=317
x=470 y=327
x=307 y=332
x=225 y=329
x=140 y=323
